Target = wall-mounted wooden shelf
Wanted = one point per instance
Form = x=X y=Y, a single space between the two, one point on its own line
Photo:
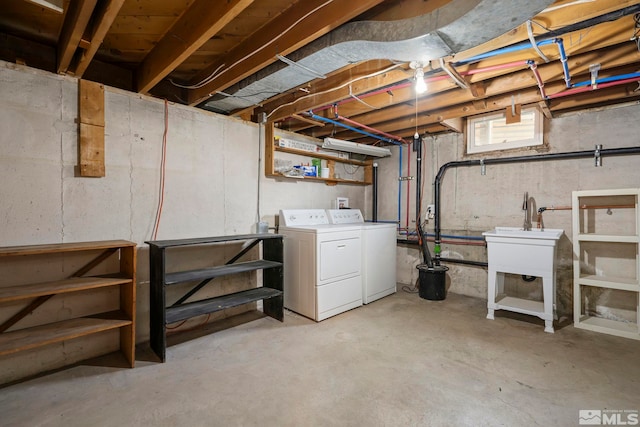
x=271 y=148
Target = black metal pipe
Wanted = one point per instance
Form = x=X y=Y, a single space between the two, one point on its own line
x=374 y=208
x=518 y=159
x=588 y=23
x=449 y=260
x=465 y=262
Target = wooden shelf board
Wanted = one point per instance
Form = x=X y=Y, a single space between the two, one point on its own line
x=63 y=247
x=612 y=238
x=608 y=326
x=37 y=336
x=15 y=293
x=320 y=156
x=320 y=179
x=211 y=305
x=206 y=240
x=222 y=270
x=610 y=282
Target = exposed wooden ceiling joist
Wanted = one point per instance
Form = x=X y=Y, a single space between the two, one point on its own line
x=55 y=5
x=107 y=12
x=198 y=24
x=512 y=83
x=303 y=22
x=75 y=22
x=336 y=91
x=115 y=41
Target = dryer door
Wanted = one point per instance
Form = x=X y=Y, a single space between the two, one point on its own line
x=340 y=256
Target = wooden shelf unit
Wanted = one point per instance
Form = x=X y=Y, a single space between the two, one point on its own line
x=271 y=291
x=271 y=149
x=584 y=204
x=123 y=319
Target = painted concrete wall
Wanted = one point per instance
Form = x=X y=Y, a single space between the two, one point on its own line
x=211 y=188
x=472 y=203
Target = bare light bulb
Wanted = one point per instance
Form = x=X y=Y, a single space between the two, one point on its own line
x=421 y=85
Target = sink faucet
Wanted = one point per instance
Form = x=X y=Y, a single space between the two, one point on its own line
x=526 y=226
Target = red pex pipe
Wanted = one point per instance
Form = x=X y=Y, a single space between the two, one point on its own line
x=428 y=80
x=536 y=74
x=370 y=129
x=589 y=88
x=494 y=68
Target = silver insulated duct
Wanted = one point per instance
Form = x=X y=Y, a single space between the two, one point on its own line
x=455 y=27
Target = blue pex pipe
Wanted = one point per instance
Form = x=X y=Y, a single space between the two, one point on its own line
x=399 y=187
x=609 y=79
x=354 y=129
x=563 y=59
x=509 y=49
x=447 y=236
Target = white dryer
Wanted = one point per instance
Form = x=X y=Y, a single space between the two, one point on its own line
x=378 y=253
x=322 y=264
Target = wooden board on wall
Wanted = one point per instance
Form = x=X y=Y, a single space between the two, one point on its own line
x=91 y=150
x=91 y=129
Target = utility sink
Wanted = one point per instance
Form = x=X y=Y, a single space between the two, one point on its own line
x=523 y=252
x=514 y=232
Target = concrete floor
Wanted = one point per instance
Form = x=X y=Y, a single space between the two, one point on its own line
x=400 y=361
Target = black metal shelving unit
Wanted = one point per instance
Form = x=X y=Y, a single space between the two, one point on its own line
x=271 y=291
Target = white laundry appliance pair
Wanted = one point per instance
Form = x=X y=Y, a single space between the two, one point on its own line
x=334 y=261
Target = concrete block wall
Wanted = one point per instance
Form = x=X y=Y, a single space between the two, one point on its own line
x=472 y=203
x=211 y=186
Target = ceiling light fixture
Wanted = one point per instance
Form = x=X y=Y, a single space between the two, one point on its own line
x=421 y=85
x=354 y=147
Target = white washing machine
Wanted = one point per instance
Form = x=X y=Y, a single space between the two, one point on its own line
x=322 y=264
x=378 y=253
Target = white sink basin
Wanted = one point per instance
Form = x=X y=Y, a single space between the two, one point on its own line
x=514 y=250
x=514 y=232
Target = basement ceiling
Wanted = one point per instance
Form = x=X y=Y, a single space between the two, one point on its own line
x=301 y=63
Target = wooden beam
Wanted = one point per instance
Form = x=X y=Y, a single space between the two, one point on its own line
x=308 y=120
x=500 y=102
x=302 y=23
x=75 y=22
x=544 y=107
x=333 y=81
x=106 y=14
x=477 y=90
x=55 y=5
x=343 y=91
x=511 y=83
x=269 y=134
x=572 y=13
x=454 y=124
x=196 y=26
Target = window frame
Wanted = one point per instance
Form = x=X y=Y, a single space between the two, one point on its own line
x=536 y=141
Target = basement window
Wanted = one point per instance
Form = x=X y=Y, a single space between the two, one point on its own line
x=490 y=132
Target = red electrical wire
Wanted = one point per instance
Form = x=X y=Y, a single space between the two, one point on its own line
x=163 y=164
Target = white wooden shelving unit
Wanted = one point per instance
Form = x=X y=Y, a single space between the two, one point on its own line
x=606 y=244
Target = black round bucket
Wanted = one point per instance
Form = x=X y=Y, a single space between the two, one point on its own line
x=432 y=282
